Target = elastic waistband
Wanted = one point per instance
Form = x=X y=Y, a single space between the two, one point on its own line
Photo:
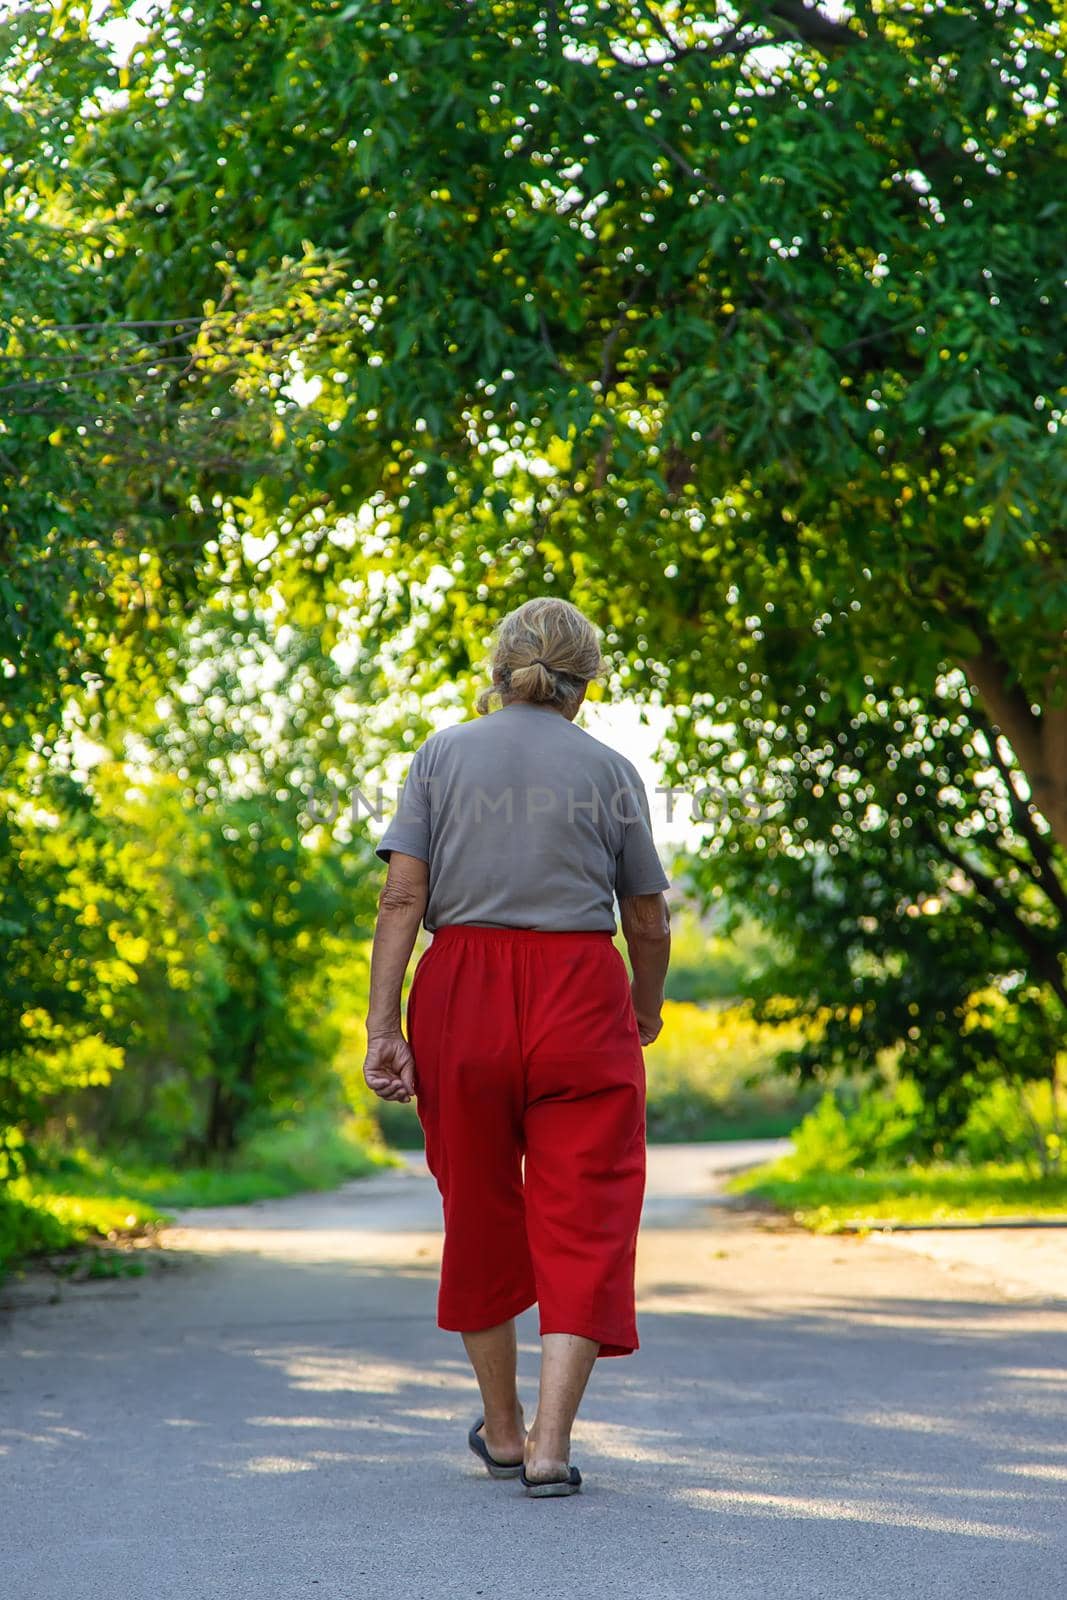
x=452 y=931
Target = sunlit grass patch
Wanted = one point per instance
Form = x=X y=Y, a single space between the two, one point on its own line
x=36 y=1221
x=95 y=1216
x=929 y=1193
x=319 y=1153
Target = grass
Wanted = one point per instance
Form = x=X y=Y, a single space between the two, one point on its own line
x=36 y=1222
x=319 y=1153
x=938 y=1192
x=83 y=1197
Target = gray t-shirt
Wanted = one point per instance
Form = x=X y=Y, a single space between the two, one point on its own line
x=526 y=821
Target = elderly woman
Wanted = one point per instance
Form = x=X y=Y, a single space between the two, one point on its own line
x=513 y=836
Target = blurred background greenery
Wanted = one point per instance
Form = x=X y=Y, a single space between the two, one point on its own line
x=743 y=331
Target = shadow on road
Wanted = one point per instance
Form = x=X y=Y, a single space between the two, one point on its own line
x=250 y=1425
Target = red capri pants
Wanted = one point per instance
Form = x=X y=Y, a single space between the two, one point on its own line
x=526 y=1050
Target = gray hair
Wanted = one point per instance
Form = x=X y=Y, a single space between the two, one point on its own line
x=544 y=652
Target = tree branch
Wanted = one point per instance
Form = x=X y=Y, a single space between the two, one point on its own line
x=607 y=370
x=774 y=22
x=1004 y=915
x=811 y=26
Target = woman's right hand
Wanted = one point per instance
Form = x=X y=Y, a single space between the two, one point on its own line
x=649 y=1022
x=646 y=926
x=390 y=1066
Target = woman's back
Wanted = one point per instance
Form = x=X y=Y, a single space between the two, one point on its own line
x=525 y=821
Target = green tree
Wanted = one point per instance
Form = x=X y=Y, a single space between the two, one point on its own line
x=640 y=291
x=178 y=902
x=292 y=907
x=651 y=288
x=119 y=426
x=921 y=911
x=744 y=327
x=68 y=956
x=263 y=904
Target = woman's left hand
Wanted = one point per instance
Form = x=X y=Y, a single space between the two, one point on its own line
x=390 y=1066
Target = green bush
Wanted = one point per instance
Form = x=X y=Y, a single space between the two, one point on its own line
x=930 y=1192
x=77 y=1195
x=849 y=1130
x=874 y=1129
x=863 y=1158
x=26 y=1230
x=1021 y=1121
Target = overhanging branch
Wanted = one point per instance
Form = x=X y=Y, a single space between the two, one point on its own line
x=809 y=24
x=773 y=22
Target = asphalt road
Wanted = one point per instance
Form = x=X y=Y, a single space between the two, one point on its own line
x=271 y=1413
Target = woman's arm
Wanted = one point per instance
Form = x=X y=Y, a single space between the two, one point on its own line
x=390 y=1066
x=646 y=927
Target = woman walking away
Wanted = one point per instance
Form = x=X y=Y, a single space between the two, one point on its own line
x=513 y=836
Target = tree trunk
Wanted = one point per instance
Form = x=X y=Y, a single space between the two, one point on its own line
x=220 y=1134
x=1037 y=736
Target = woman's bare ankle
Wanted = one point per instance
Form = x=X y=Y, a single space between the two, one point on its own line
x=547 y=1457
x=505 y=1436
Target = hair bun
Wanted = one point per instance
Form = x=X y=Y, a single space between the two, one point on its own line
x=545 y=623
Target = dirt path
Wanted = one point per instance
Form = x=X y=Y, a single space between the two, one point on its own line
x=271 y=1413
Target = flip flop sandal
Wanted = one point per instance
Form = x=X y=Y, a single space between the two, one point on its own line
x=496 y=1469
x=553 y=1487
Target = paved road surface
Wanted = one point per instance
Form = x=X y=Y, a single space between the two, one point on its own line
x=271 y=1414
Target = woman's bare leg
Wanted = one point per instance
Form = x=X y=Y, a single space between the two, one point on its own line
x=566 y=1362
x=492 y=1353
